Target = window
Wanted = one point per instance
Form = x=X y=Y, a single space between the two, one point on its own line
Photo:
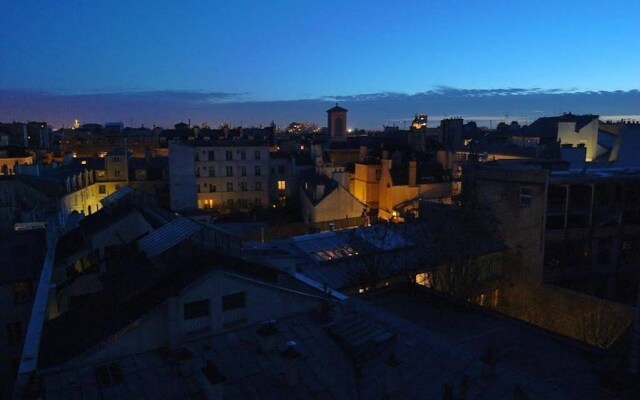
x=256 y=170
x=109 y=375
x=229 y=186
x=212 y=171
x=230 y=203
x=258 y=186
x=116 y=172
x=198 y=187
x=102 y=189
x=234 y=301
x=243 y=155
x=281 y=169
x=196 y=156
x=229 y=170
x=257 y=154
x=378 y=174
x=243 y=186
x=243 y=171
x=196 y=309
x=212 y=155
x=116 y=159
x=22 y=292
x=212 y=188
x=525 y=197
x=14 y=333
x=197 y=172
x=282 y=185
x=229 y=155
x=258 y=202
x=244 y=203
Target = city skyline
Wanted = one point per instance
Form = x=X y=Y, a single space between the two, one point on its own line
x=367 y=111
x=77 y=59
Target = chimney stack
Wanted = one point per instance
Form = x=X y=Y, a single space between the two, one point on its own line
x=267 y=336
x=413 y=170
x=212 y=382
x=291 y=355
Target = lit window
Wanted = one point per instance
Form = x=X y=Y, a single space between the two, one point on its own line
x=424 y=279
x=196 y=309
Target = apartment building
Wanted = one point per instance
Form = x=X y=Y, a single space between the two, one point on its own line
x=218 y=174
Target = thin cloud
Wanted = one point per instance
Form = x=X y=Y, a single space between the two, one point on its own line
x=366 y=110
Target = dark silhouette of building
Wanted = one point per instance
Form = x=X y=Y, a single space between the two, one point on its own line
x=337 y=121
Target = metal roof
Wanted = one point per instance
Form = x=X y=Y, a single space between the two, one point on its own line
x=116 y=196
x=162 y=239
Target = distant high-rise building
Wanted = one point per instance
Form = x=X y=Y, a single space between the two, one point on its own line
x=337 y=121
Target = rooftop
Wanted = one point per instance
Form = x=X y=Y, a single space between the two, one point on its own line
x=365 y=352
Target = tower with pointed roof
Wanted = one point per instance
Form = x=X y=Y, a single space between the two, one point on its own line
x=337 y=121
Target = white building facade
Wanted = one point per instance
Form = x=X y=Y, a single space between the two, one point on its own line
x=218 y=175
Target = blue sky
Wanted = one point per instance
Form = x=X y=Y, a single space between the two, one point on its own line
x=288 y=50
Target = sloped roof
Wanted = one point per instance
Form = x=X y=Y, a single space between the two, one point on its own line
x=116 y=196
x=22 y=255
x=547 y=127
x=337 y=108
x=162 y=239
x=327 y=356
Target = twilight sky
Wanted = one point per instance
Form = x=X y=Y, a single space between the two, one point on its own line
x=247 y=61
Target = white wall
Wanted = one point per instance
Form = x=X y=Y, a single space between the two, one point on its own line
x=588 y=136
